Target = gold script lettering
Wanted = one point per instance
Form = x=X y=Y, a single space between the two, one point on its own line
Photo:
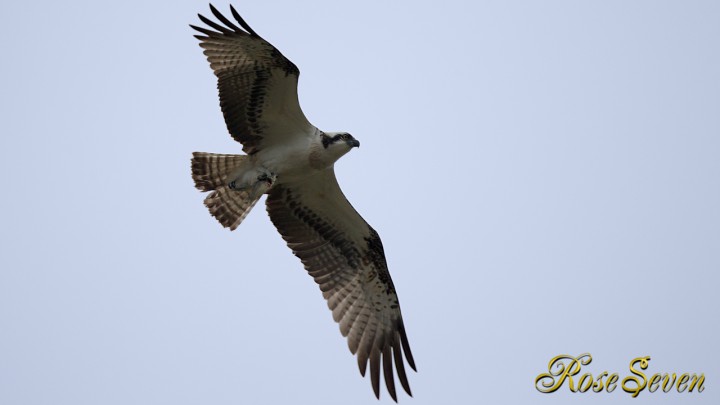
x=667 y=383
x=682 y=384
x=598 y=386
x=612 y=382
x=654 y=383
x=557 y=368
x=639 y=384
x=699 y=380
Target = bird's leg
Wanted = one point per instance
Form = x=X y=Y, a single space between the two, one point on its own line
x=256 y=183
x=264 y=182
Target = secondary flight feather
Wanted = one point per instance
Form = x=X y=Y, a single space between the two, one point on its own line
x=292 y=161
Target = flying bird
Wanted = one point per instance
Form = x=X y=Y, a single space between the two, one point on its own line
x=292 y=162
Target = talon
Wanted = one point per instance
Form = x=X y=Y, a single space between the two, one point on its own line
x=233 y=185
x=267 y=177
x=256 y=183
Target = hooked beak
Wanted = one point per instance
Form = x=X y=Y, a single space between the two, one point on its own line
x=354 y=143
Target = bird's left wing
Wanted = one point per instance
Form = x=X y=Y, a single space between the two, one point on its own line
x=345 y=257
x=257 y=84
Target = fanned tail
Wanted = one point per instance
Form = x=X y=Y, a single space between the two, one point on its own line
x=230 y=207
x=210 y=171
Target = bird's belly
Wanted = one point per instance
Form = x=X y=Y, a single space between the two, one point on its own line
x=289 y=165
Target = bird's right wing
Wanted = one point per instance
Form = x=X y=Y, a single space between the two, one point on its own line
x=257 y=84
x=345 y=257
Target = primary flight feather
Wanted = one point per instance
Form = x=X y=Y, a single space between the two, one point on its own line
x=292 y=162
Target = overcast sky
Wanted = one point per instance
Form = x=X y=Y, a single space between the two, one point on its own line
x=545 y=177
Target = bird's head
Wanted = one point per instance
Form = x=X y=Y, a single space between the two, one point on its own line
x=339 y=143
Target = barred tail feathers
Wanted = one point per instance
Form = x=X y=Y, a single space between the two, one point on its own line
x=210 y=171
x=230 y=207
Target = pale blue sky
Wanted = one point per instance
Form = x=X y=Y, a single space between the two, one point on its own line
x=544 y=176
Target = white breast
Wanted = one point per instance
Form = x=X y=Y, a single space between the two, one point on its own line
x=292 y=160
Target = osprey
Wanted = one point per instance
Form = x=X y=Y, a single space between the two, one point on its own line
x=292 y=162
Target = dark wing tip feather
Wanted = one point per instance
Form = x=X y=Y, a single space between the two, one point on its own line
x=397 y=354
x=362 y=364
x=384 y=351
x=224 y=20
x=215 y=25
x=205 y=31
x=388 y=372
x=406 y=345
x=228 y=29
x=242 y=22
x=375 y=371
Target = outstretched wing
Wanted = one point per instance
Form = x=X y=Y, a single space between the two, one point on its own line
x=257 y=84
x=345 y=257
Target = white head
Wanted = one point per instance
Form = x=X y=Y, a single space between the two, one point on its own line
x=337 y=144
